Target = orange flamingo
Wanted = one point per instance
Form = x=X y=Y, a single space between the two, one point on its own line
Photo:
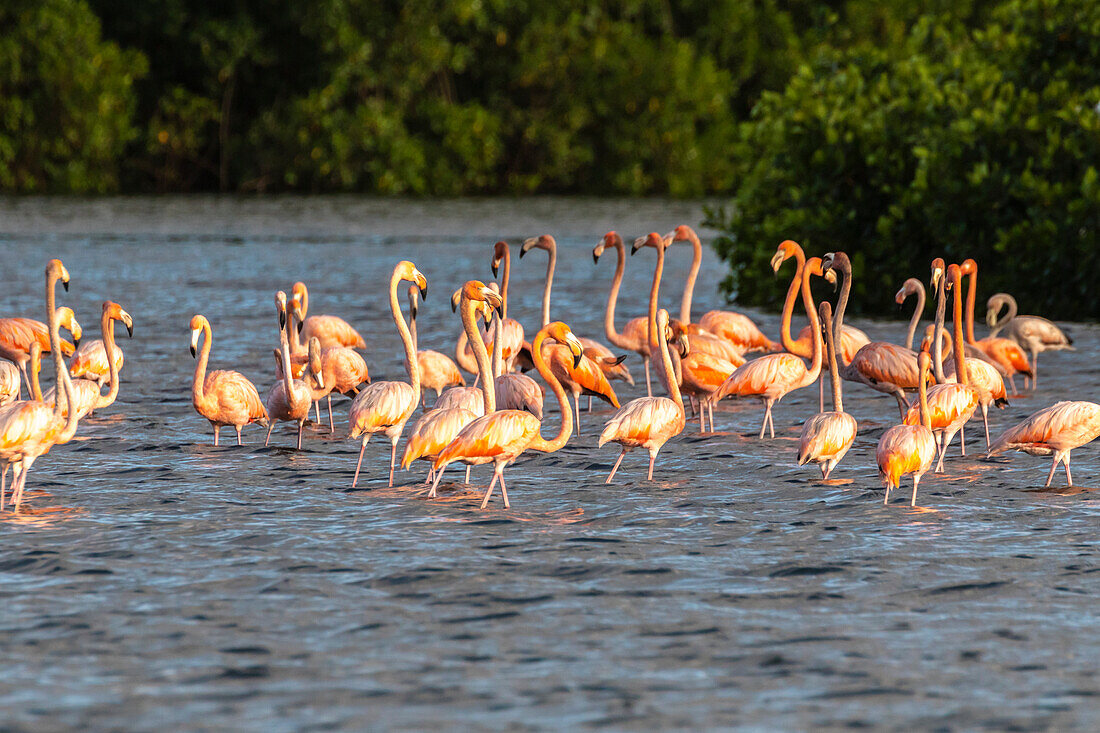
x=437 y=371
x=880 y=365
x=950 y=405
x=9 y=382
x=827 y=436
x=290 y=399
x=435 y=430
x=648 y=422
x=16 y=335
x=736 y=328
x=86 y=392
x=1053 y=431
x=90 y=362
x=1034 y=333
x=773 y=376
x=501 y=437
x=908 y=450
x=1005 y=353
x=385 y=407
x=329 y=330
x=633 y=335
x=223 y=397
x=28 y=429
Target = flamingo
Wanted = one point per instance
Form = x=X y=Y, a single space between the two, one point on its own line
x=880 y=365
x=16 y=335
x=28 y=429
x=9 y=382
x=1034 y=333
x=633 y=335
x=912 y=286
x=385 y=407
x=329 y=330
x=502 y=436
x=950 y=405
x=470 y=398
x=343 y=368
x=648 y=422
x=513 y=330
x=290 y=399
x=1053 y=431
x=436 y=428
x=586 y=376
x=223 y=397
x=735 y=328
x=827 y=436
x=1005 y=353
x=90 y=361
x=772 y=376
x=86 y=392
x=908 y=450
x=437 y=371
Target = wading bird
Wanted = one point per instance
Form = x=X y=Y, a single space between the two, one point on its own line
x=329 y=330
x=1053 y=431
x=86 y=392
x=223 y=397
x=908 y=450
x=827 y=436
x=437 y=371
x=16 y=335
x=1034 y=333
x=290 y=399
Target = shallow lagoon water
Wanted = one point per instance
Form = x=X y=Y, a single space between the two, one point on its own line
x=153 y=580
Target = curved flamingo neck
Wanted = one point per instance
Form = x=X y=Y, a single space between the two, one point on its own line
x=960 y=358
x=614 y=336
x=971 y=296
x=481 y=356
x=670 y=376
x=498 y=347
x=654 y=291
x=1010 y=314
x=412 y=320
x=198 y=386
x=551 y=263
x=412 y=365
x=830 y=348
x=915 y=320
x=815 y=328
x=60 y=372
x=296 y=345
x=566 y=428
x=284 y=359
x=788 y=303
x=305 y=302
x=36 y=362
x=504 y=277
x=107 y=324
x=937 y=334
x=845 y=266
x=689 y=285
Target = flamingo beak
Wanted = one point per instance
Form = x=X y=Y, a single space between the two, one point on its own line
x=65 y=284
x=129 y=323
x=495 y=301
x=195 y=342
x=495 y=264
x=830 y=275
x=455 y=300
x=777 y=261
x=596 y=256
x=423 y=290
x=638 y=244
x=282 y=319
x=685 y=347
x=528 y=244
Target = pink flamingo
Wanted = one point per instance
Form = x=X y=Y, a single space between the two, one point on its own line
x=502 y=436
x=343 y=368
x=28 y=429
x=827 y=436
x=385 y=407
x=223 y=397
x=435 y=430
x=773 y=376
x=90 y=362
x=329 y=330
x=906 y=450
x=290 y=399
x=1034 y=333
x=16 y=335
x=437 y=371
x=86 y=392
x=1053 y=431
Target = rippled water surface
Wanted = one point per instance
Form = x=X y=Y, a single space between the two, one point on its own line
x=153 y=580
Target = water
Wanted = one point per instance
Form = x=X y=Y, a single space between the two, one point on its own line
x=155 y=581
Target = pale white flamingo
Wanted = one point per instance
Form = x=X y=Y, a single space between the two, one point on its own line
x=385 y=407
x=1034 y=333
x=1053 y=431
x=827 y=436
x=223 y=397
x=908 y=450
x=290 y=399
x=502 y=436
x=29 y=429
x=329 y=330
x=950 y=405
x=773 y=376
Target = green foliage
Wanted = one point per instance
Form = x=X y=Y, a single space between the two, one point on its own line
x=978 y=144
x=67 y=99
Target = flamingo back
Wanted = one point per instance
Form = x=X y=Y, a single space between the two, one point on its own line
x=500 y=435
x=381 y=406
x=771 y=376
x=884 y=363
x=331 y=331
x=605 y=359
x=519 y=392
x=708 y=343
x=437 y=371
x=636 y=332
x=644 y=421
x=704 y=373
x=26 y=428
x=90 y=361
x=1062 y=426
x=825 y=436
x=948 y=404
x=85 y=394
x=851 y=341
x=9 y=382
x=903 y=450
x=467 y=398
x=984 y=378
x=585 y=378
x=343 y=368
x=295 y=407
x=17 y=334
x=232 y=399
x=433 y=432
x=1007 y=353
x=738 y=329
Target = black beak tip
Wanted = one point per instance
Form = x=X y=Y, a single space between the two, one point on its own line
x=193 y=354
x=595 y=258
x=494 y=267
x=454 y=307
x=300 y=324
x=522 y=252
x=577 y=360
x=65 y=284
x=130 y=331
x=500 y=310
x=282 y=320
x=424 y=293
x=633 y=249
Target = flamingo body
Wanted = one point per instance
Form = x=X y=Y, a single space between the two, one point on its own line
x=9 y=382
x=90 y=361
x=231 y=399
x=467 y=398
x=1055 y=430
x=851 y=341
x=738 y=329
x=331 y=331
x=433 y=432
x=905 y=450
x=438 y=371
x=826 y=438
x=519 y=392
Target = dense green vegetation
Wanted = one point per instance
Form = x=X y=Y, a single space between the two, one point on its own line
x=890 y=129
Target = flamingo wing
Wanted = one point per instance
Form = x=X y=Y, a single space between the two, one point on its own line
x=772 y=375
x=904 y=449
x=643 y=420
x=90 y=359
x=433 y=432
x=738 y=329
x=332 y=331
x=468 y=398
x=381 y=405
x=503 y=434
x=1062 y=426
x=236 y=396
x=881 y=362
x=826 y=435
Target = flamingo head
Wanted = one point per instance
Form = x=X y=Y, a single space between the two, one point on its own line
x=478 y=292
x=543 y=241
x=787 y=249
x=813 y=267
x=315 y=364
x=924 y=363
x=198 y=323
x=280 y=308
x=954 y=275
x=682 y=233
x=55 y=269
x=561 y=333
x=993 y=308
x=114 y=312
x=675 y=334
x=406 y=270
x=67 y=319
x=912 y=286
x=938 y=270
x=611 y=239
x=500 y=251
x=653 y=239
x=969 y=266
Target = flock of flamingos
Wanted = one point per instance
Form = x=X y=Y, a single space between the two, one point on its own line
x=501 y=415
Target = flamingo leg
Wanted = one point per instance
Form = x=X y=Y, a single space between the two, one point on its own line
x=577 y=411
x=485 y=501
x=1050 y=476
x=764 y=424
x=985 y=421
x=886 y=499
x=21 y=480
x=821 y=392
x=710 y=414
x=435 y=482
x=648 y=383
x=504 y=491
x=393 y=458
x=916 y=482
x=615 y=467
x=962 y=441
x=331 y=427
x=301 y=424
x=3 y=485
x=238 y=435
x=1012 y=383
x=468 y=467
x=652 y=458
x=942 y=446
x=1069 y=479
x=702 y=419
x=590 y=403
x=317 y=408
x=26 y=381
x=267 y=439
x=691 y=401
x=903 y=403
x=217 y=430
x=355 y=480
